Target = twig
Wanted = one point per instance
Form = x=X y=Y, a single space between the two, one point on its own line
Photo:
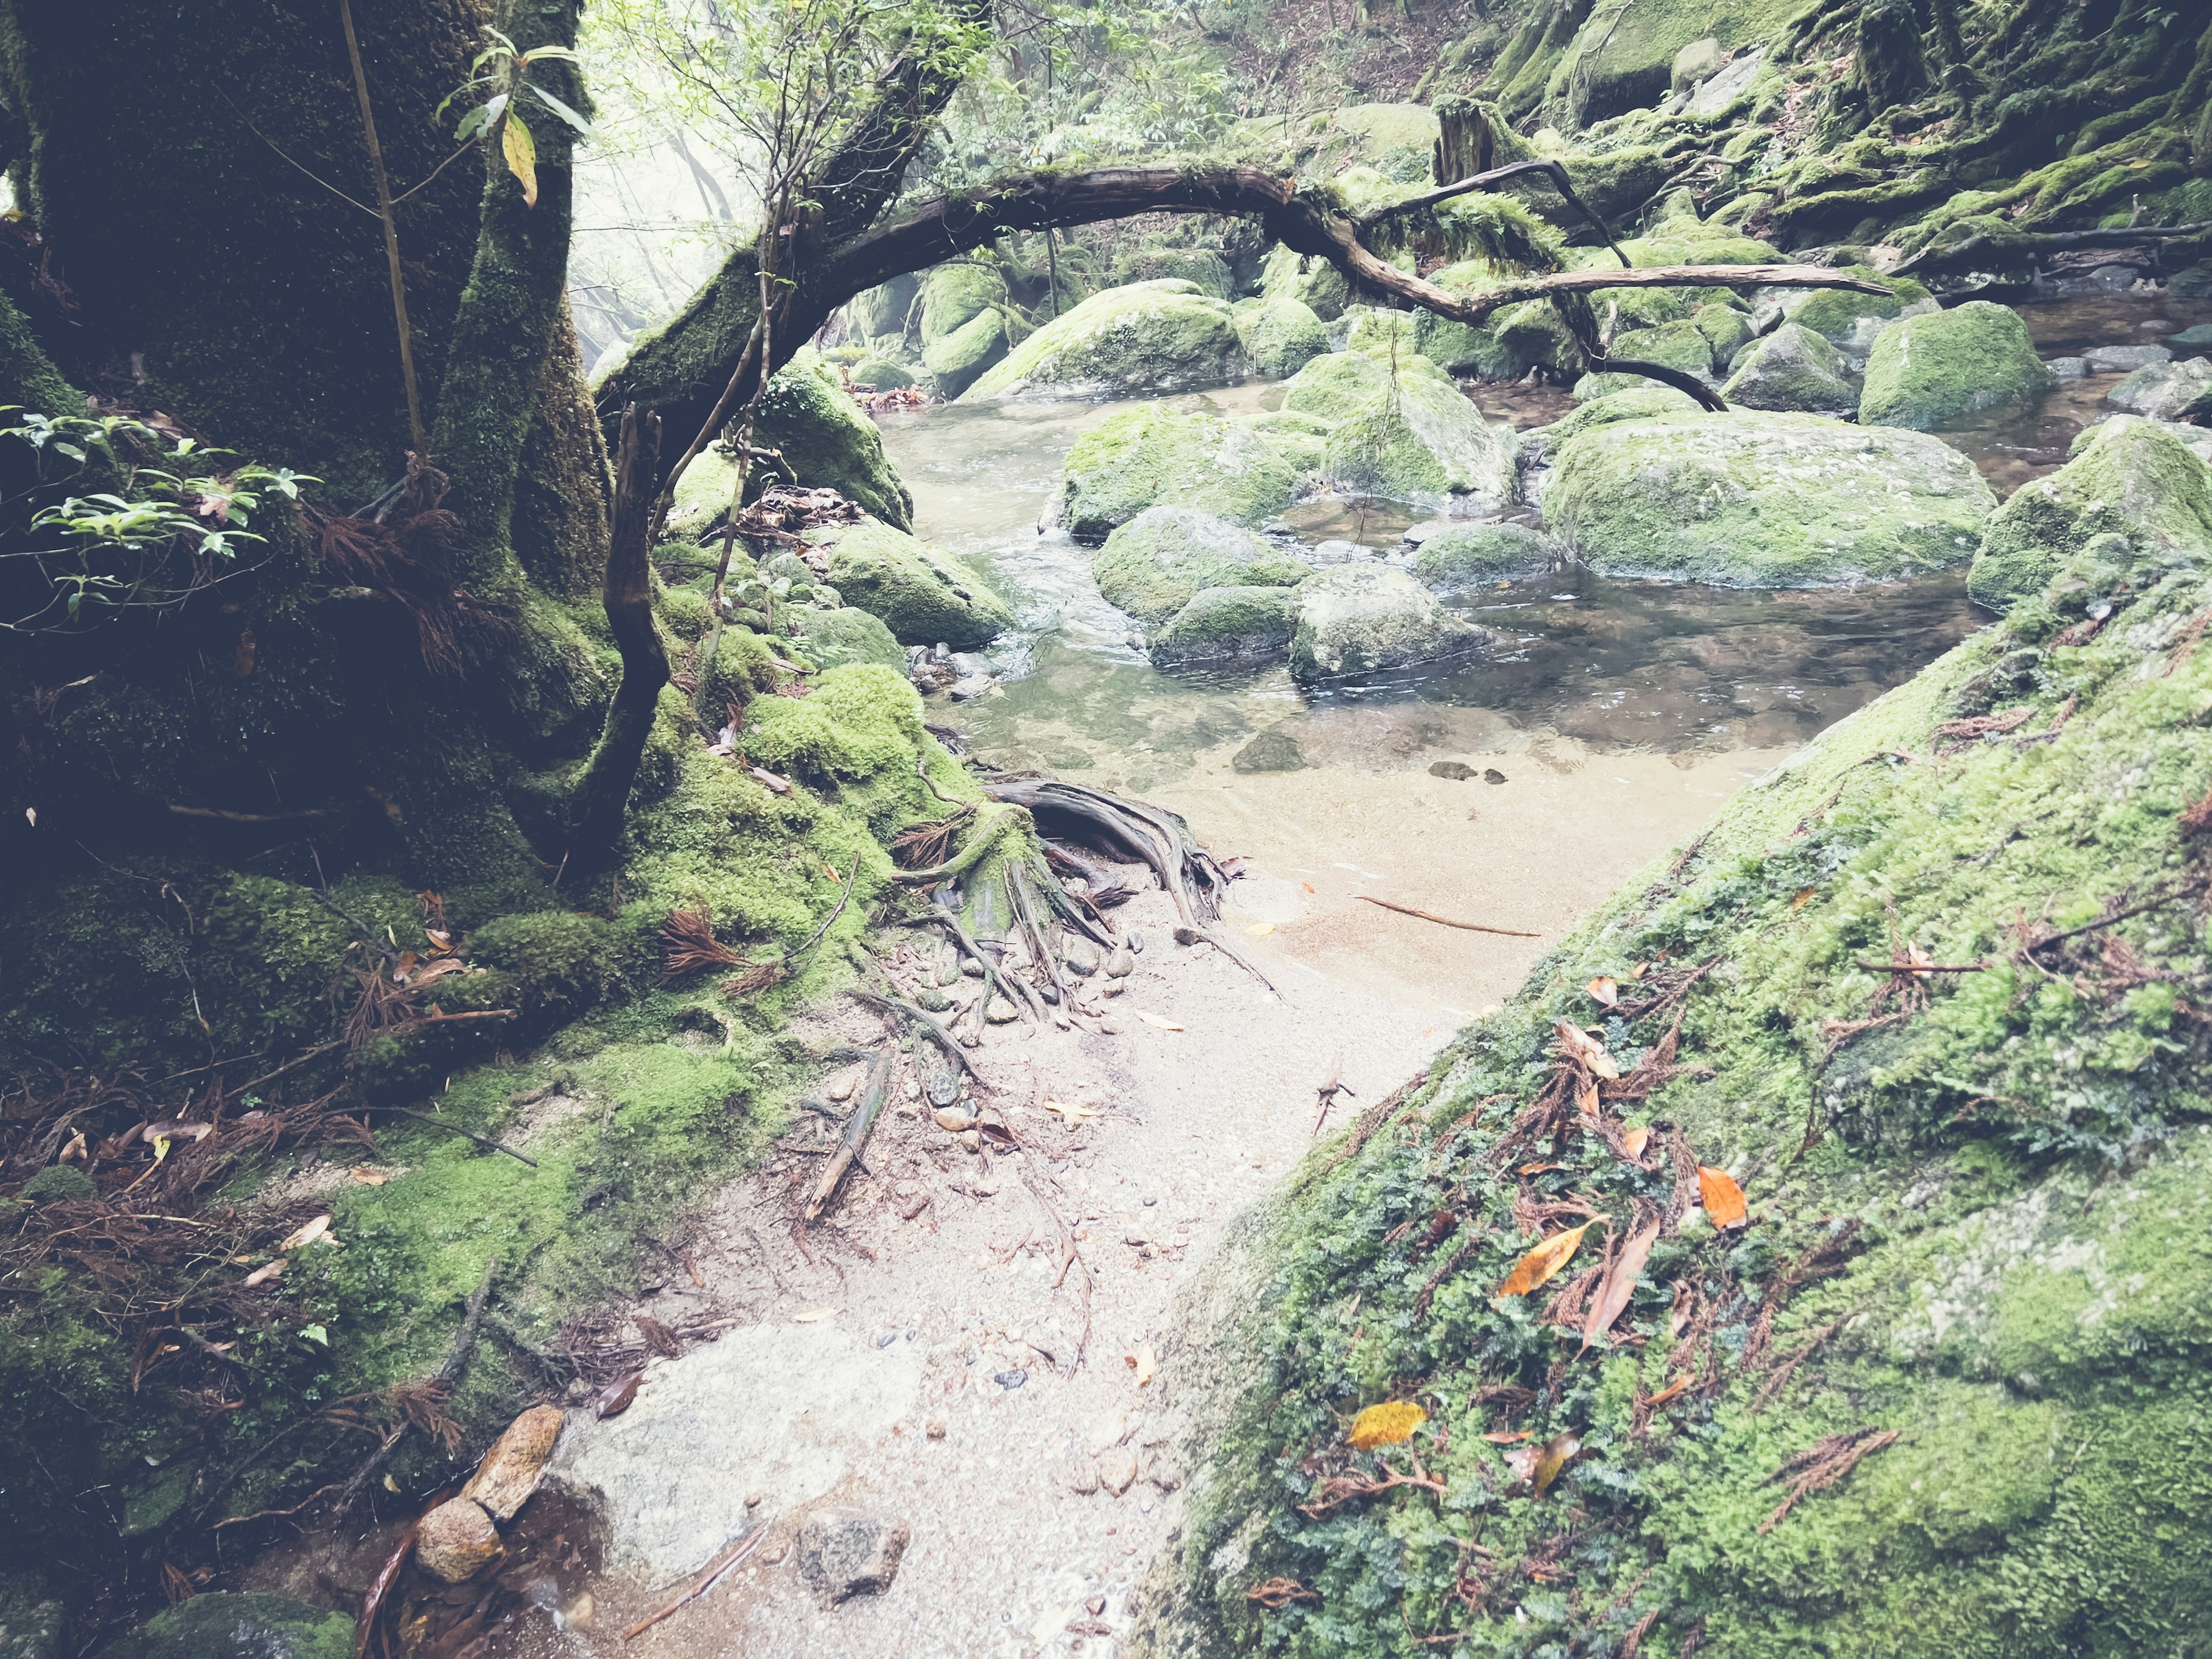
x=921 y=770
x=1470 y=927
x=942 y=1037
x=1069 y=1257
x=1325 y=1095
x=481 y=1140
x=706 y=1581
x=390 y=232
x=1371 y=1120
x=836 y=910
x=1924 y=967
x=464 y=1339
x=858 y=1127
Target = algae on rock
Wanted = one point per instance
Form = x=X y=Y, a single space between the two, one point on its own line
x=1164 y=336
x=1246 y=471
x=1223 y=625
x=1153 y=566
x=922 y=595
x=1940 y=369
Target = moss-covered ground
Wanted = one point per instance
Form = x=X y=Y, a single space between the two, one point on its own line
x=1975 y=1197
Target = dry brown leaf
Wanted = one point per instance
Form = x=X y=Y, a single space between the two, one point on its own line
x=1633 y=1141
x=263 y=1274
x=1538 y=1169
x=1619 y=1282
x=1722 y=1198
x=1390 y=1423
x=1575 y=1043
x=1640 y=971
x=175 y=1131
x=1508 y=1436
x=1540 y=1263
x=1606 y=990
x=370 y=1177
x=1307 y=885
x=1804 y=897
x=1160 y=1020
x=303 y=1236
x=1673 y=1390
x=1586 y=1097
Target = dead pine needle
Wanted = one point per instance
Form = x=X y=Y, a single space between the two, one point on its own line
x=688 y=944
x=1445 y=921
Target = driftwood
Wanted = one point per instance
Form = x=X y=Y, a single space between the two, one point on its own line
x=858 y=1127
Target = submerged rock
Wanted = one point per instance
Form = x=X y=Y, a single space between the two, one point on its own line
x=1765 y=500
x=1361 y=618
x=1275 y=750
x=1941 y=369
x=1223 y=625
x=1164 y=336
x=229 y=1625
x=1155 y=565
x=1475 y=555
x=1792 y=369
x=2127 y=479
x=1137 y=457
x=1281 y=335
x=922 y=595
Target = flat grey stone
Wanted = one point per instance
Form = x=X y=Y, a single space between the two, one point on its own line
x=2120 y=360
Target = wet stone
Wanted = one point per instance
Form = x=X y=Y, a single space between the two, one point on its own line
x=843 y=1553
x=456 y=1541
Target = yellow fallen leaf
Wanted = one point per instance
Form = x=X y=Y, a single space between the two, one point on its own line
x=371 y=1178
x=1160 y=1020
x=1069 y=1114
x=1605 y=990
x=1261 y=930
x=1557 y=1455
x=1387 y=1424
x=305 y=1235
x=812 y=1315
x=1147 y=1363
x=1540 y=1263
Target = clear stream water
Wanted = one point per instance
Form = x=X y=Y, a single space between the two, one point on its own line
x=1619 y=666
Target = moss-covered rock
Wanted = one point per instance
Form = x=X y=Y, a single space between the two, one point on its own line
x=2128 y=479
x=1138 y=457
x=883 y=309
x=1356 y=619
x=1726 y=329
x=1201 y=267
x=1224 y=626
x=1923 y=1255
x=833 y=638
x=956 y=361
x=1792 y=369
x=2167 y=392
x=1280 y=336
x=1467 y=556
x=1157 y=563
x=1850 y=321
x=1681 y=345
x=1309 y=279
x=881 y=373
x=1164 y=336
x=229 y=1625
x=1765 y=500
x=1938 y=369
x=956 y=292
x=922 y=595
x=826 y=439
x=1647 y=400
x=1421 y=439
x=1332 y=387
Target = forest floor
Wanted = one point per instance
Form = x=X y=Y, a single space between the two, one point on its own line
x=911 y=1361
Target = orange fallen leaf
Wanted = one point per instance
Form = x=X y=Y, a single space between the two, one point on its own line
x=1721 y=1197
x=370 y=1177
x=1578 y=1044
x=1508 y=1436
x=1307 y=885
x=305 y=1235
x=1605 y=990
x=1804 y=897
x=1633 y=1141
x=1586 y=1097
x=1619 y=1282
x=1640 y=971
x=1387 y=1424
x=1673 y=1390
x=1538 y=1169
x=1540 y=1263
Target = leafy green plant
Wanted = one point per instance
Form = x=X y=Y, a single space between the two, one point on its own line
x=502 y=66
x=161 y=534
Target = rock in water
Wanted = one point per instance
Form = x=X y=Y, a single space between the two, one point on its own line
x=1792 y=369
x=1421 y=439
x=1245 y=471
x=2128 y=477
x=229 y=1625
x=511 y=1470
x=2166 y=392
x=1239 y=624
x=1852 y=322
x=457 y=1541
x=1155 y=565
x=1940 y=370
x=1360 y=619
x=843 y=1553
x=1765 y=500
x=1162 y=336
x=921 y=595
x=1282 y=335
x=1477 y=554
x=827 y=439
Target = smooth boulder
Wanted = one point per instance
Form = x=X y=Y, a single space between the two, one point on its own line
x=1162 y=336
x=1752 y=500
x=1420 y=439
x=1944 y=368
x=1281 y=336
x=1792 y=369
x=957 y=360
x=1476 y=555
x=1155 y=565
x=1362 y=618
x=1850 y=321
x=2167 y=392
x=2129 y=478
x=1244 y=472
x=921 y=595
x=1222 y=626
x=826 y=439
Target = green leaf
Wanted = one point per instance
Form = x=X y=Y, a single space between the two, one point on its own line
x=561 y=110
x=316 y=1333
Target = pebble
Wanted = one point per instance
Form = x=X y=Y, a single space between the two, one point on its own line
x=973 y=1141
x=842 y=1088
x=1083 y=1476
x=1117 y=1470
x=1136 y=940
x=1080 y=957
x=944 y=1087
x=953 y=1120
x=1000 y=1013
x=2068 y=368
x=1121 y=964
x=1492 y=774
x=1187 y=935
x=931 y=1000
x=934 y=1429
x=1456 y=771
x=1011 y=1380
x=844 y=1552
x=457 y=1541
x=975 y=685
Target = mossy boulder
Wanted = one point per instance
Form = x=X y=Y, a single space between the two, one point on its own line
x=1138 y=457
x=1164 y=336
x=229 y=1625
x=1421 y=439
x=1943 y=1243
x=2130 y=478
x=881 y=373
x=1201 y=267
x=1850 y=322
x=1726 y=329
x=1944 y=368
x=883 y=309
x=1280 y=336
x=1751 y=500
x=1355 y=619
x=826 y=439
x=1680 y=345
x=1224 y=626
x=1332 y=387
x=1309 y=279
x=956 y=361
x=954 y=294
x=1467 y=556
x=1157 y=563
x=2167 y=392
x=1532 y=333
x=1793 y=369
x=922 y=595
x=1647 y=400
x=833 y=638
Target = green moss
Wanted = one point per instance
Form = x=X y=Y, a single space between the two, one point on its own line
x=1765 y=500
x=1309 y=279
x=1648 y=400
x=1238 y=624
x=957 y=360
x=922 y=595
x=1137 y=457
x=1681 y=345
x=2131 y=480
x=834 y=638
x=58 y=1182
x=1155 y=565
x=1333 y=387
x=1793 y=368
x=826 y=439
x=226 y=1624
x=1936 y=370
x=1474 y=556
x=954 y=295
x=1421 y=439
x=1838 y=315
x=1162 y=336
x=1281 y=335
